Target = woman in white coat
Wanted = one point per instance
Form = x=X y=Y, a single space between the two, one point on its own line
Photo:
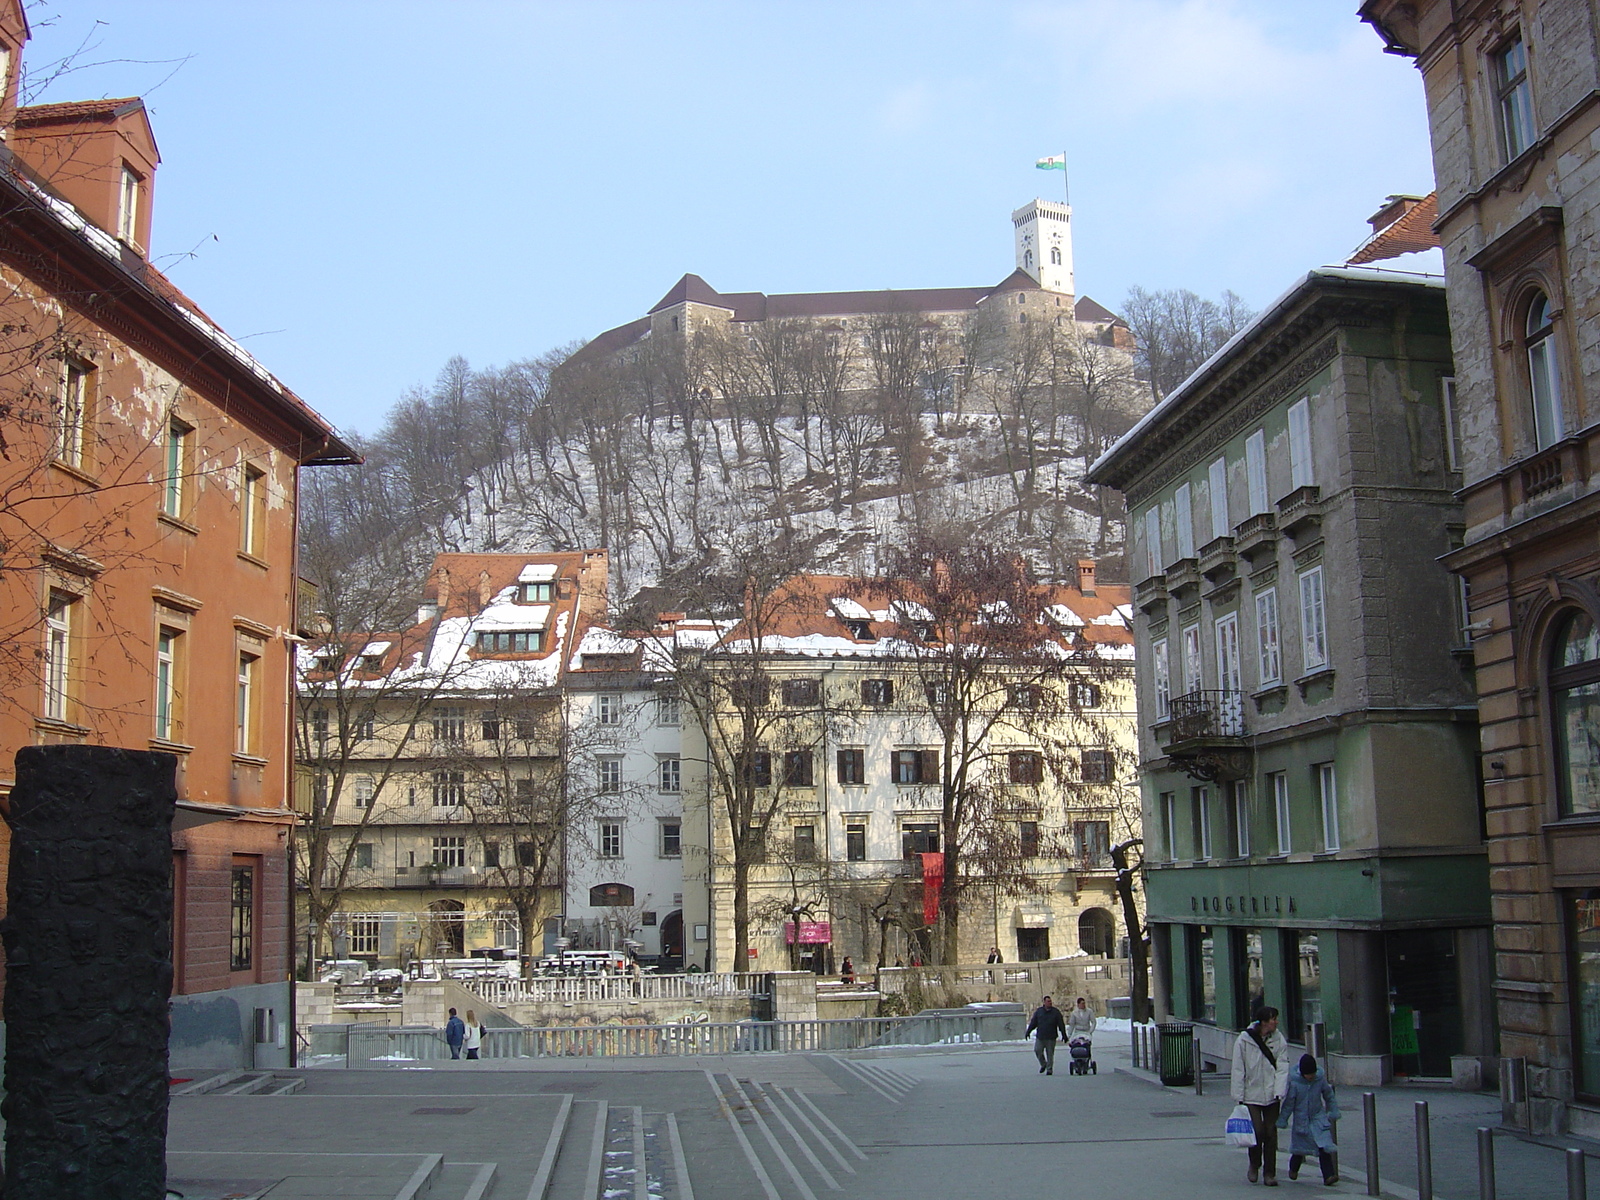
x=474 y=1038
x=1260 y=1074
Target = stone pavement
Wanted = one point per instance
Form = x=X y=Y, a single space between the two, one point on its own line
x=957 y=1122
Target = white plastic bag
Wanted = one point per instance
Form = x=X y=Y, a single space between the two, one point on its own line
x=1240 y=1129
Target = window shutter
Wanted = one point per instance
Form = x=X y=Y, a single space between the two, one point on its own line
x=929 y=767
x=1300 y=472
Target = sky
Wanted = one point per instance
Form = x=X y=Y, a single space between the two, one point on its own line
x=360 y=190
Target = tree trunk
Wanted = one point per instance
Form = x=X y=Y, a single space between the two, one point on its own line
x=741 y=913
x=1138 y=959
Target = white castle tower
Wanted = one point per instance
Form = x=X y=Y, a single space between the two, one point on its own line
x=1044 y=244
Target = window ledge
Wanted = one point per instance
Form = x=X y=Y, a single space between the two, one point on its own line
x=1276 y=691
x=1575 y=821
x=177 y=523
x=1320 y=675
x=1324 y=855
x=1276 y=858
x=78 y=473
x=170 y=747
x=55 y=725
x=246 y=556
x=249 y=760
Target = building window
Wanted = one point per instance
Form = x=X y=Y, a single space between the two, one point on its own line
x=364 y=935
x=244 y=717
x=1583 y=920
x=797 y=768
x=801 y=693
x=242 y=920
x=527 y=854
x=608 y=709
x=491 y=854
x=1092 y=841
x=75 y=412
x=1183 y=519
x=610 y=839
x=914 y=766
x=449 y=852
x=1217 y=477
x=1193 y=679
x=611 y=895
x=671 y=839
x=363 y=856
x=1200 y=804
x=1278 y=781
x=609 y=771
x=920 y=838
x=805 y=843
x=1452 y=423
x=1328 y=804
x=1313 y=620
x=1514 y=97
x=524 y=641
x=363 y=788
x=1239 y=819
x=449 y=789
x=669 y=773
x=877 y=692
x=1302 y=472
x=536 y=593
x=1028 y=839
x=760 y=770
x=1169 y=824
x=1544 y=377
x=450 y=724
x=128 y=207
x=1026 y=697
x=362 y=727
x=1025 y=767
x=1152 y=541
x=253 y=511
x=1163 y=674
x=852 y=765
x=669 y=709
x=1255 y=471
x=1098 y=766
x=1269 y=655
x=167 y=660
x=176 y=467
x=855 y=843
x=1084 y=695
x=1575 y=715
x=491 y=729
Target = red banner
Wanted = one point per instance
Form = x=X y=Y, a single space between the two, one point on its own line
x=812 y=933
x=932 y=883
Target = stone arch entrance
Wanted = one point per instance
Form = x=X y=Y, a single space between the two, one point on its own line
x=1097 y=932
x=446 y=932
x=672 y=938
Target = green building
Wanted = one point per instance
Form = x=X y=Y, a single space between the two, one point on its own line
x=1307 y=710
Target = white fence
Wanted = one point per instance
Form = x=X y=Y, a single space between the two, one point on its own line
x=598 y=988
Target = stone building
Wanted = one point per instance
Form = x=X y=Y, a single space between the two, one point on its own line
x=1513 y=94
x=148 y=498
x=1308 y=731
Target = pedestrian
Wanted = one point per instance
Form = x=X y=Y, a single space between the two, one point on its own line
x=1046 y=1026
x=1260 y=1075
x=1309 y=1103
x=455 y=1030
x=474 y=1035
x=994 y=955
x=848 y=973
x=1080 y=1021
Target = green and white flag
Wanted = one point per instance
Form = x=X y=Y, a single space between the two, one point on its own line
x=1056 y=162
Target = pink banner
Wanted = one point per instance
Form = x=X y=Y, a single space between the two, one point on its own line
x=812 y=933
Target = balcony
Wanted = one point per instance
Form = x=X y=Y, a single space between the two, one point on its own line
x=1151 y=595
x=1204 y=737
x=1300 y=512
x=1183 y=576
x=1218 y=562
x=1256 y=537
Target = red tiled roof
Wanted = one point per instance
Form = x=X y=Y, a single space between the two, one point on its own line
x=1411 y=233
x=1088 y=310
x=52 y=114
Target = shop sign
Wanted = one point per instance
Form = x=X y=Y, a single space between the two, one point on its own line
x=812 y=933
x=1244 y=906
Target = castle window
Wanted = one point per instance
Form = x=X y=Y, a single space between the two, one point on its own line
x=1055 y=255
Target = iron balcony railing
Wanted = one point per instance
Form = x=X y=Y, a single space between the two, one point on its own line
x=1206 y=714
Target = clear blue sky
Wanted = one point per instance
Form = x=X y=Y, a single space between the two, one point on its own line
x=369 y=188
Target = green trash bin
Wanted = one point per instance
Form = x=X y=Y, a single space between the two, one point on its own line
x=1177 y=1054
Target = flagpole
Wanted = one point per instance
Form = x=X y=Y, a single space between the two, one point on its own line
x=1066 y=181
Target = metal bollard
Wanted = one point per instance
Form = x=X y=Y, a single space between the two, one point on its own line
x=1199 y=1064
x=1424 y=1153
x=1577 y=1176
x=1369 y=1122
x=1485 y=1163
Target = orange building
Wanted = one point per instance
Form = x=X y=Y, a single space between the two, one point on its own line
x=147 y=544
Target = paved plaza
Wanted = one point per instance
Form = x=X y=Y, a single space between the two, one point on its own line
x=937 y=1124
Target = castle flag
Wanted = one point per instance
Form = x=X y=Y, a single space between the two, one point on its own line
x=1056 y=162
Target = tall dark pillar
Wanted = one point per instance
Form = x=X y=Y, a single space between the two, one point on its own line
x=88 y=938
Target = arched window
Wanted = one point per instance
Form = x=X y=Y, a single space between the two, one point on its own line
x=1055 y=256
x=1027 y=259
x=611 y=895
x=1097 y=932
x=1544 y=377
x=1575 y=714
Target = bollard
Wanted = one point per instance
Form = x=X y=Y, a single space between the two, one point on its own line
x=1137 y=1032
x=1485 y=1163
x=1577 y=1176
x=1424 y=1153
x=1369 y=1121
x=1199 y=1064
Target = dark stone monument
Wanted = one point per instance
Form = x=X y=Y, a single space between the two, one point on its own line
x=88 y=938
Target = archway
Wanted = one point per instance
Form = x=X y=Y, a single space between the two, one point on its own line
x=447 y=929
x=672 y=938
x=1097 y=932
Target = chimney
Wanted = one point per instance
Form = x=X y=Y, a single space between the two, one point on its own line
x=592 y=582
x=441 y=583
x=426 y=611
x=485 y=590
x=1086 y=576
x=1394 y=207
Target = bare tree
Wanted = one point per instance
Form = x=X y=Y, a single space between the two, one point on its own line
x=1177 y=330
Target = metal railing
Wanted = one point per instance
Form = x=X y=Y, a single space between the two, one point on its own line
x=1206 y=714
x=598 y=988
x=383 y=1045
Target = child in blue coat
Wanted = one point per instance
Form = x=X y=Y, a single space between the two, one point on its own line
x=1309 y=1103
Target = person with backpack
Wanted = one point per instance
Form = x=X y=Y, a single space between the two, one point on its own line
x=1046 y=1026
x=1309 y=1111
x=1260 y=1077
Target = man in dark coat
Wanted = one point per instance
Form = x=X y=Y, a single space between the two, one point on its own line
x=455 y=1032
x=1046 y=1026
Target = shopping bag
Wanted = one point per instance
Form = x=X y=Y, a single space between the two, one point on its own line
x=1240 y=1129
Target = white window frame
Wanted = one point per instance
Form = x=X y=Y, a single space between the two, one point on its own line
x=662 y=849
x=363 y=935
x=1313 y=620
x=1152 y=540
x=1452 y=427
x=245 y=699
x=1302 y=468
x=1280 y=811
x=608 y=844
x=1544 y=383
x=176 y=466
x=449 y=789
x=1255 y=471
x=1328 y=805
x=1169 y=822
x=73 y=410
x=669 y=709
x=128 y=207
x=166 y=681
x=670 y=773
x=1513 y=98
x=58 y=656
x=1239 y=798
x=608 y=709
x=1163 y=678
x=1194 y=678
x=1218 y=480
x=449 y=852
x=608 y=774
x=1202 y=800
x=363 y=788
x=1183 y=519
x=1269 y=646
x=1230 y=664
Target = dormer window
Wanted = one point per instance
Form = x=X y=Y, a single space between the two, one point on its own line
x=509 y=642
x=128 y=207
x=535 y=593
x=860 y=630
x=327 y=662
x=372 y=662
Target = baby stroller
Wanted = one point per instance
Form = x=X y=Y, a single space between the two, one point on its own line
x=1082 y=1063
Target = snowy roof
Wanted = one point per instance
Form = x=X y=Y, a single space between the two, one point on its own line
x=538 y=573
x=498 y=616
x=1064 y=616
x=849 y=609
x=375 y=649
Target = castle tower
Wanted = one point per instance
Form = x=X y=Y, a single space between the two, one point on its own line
x=1044 y=243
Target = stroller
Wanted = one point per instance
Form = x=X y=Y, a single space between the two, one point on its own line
x=1082 y=1062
